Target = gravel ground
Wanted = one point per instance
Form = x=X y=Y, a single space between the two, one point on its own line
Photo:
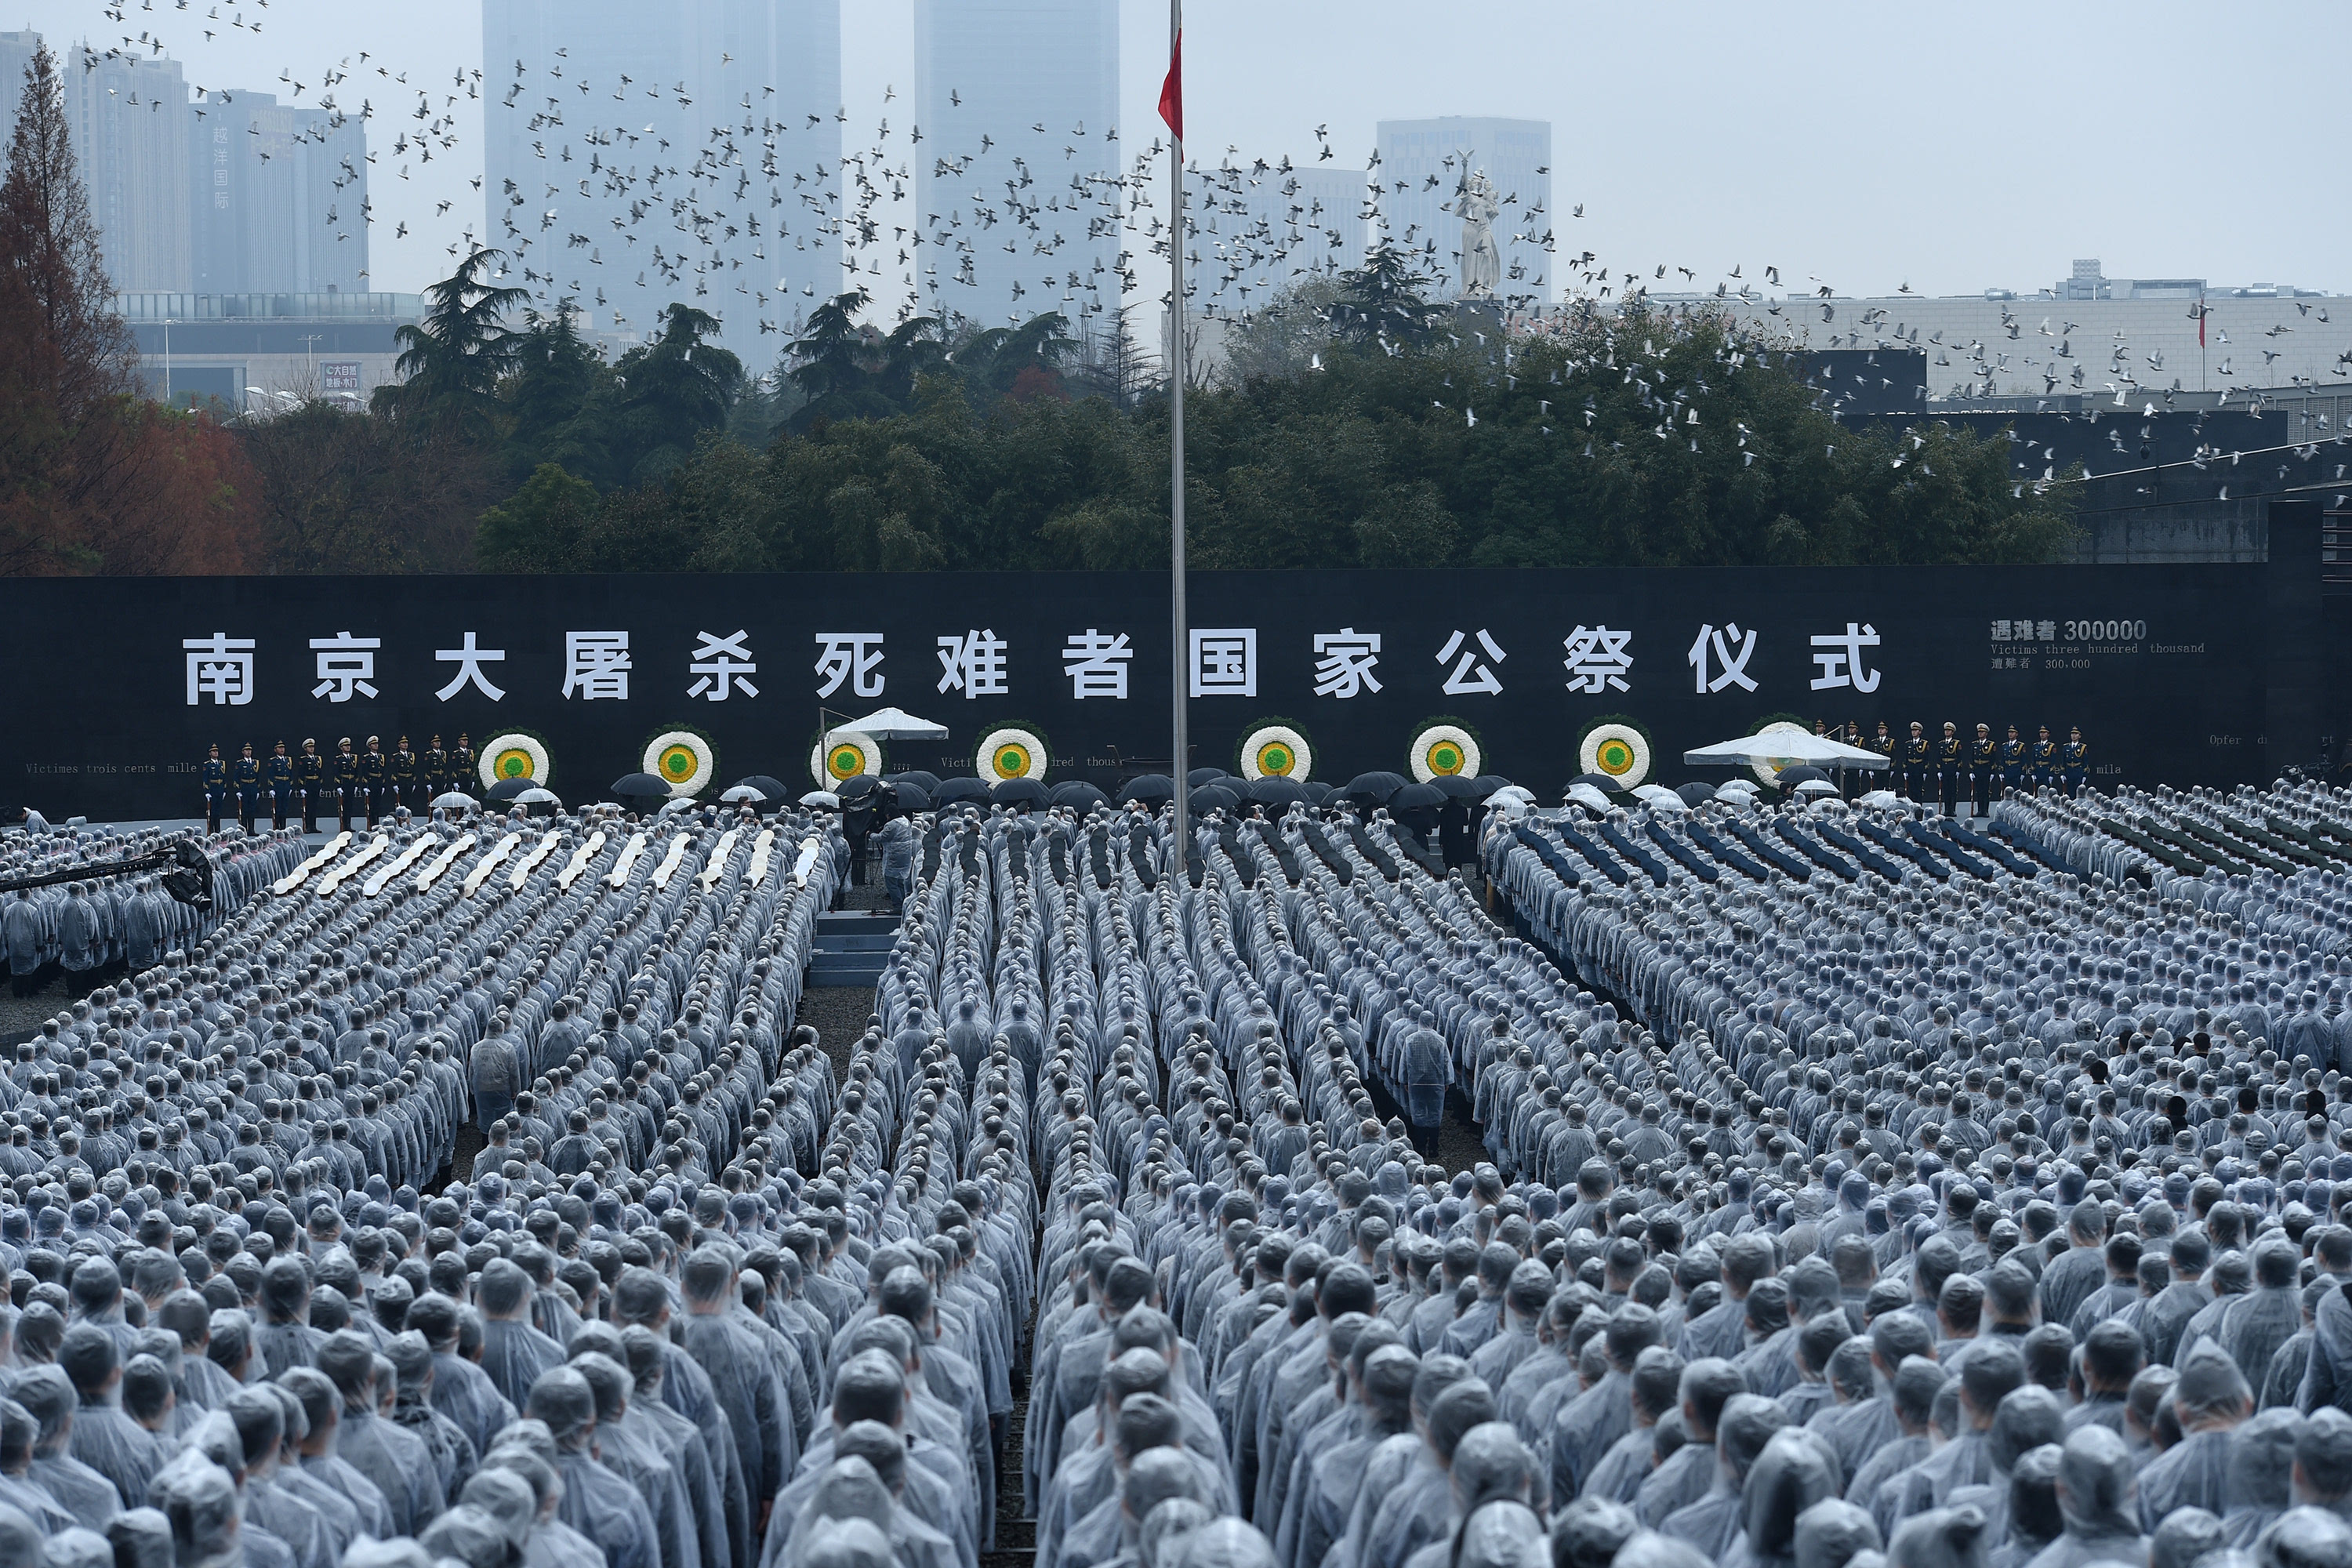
x=20 y=1016
x=838 y=1014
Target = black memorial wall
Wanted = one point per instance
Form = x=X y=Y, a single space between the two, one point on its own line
x=114 y=687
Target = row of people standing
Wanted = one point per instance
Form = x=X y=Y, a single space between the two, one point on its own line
x=1951 y=770
x=364 y=784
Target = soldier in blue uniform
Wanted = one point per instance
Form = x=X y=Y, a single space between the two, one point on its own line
x=1950 y=758
x=214 y=773
x=461 y=766
x=2012 y=761
x=375 y=781
x=2042 y=760
x=311 y=782
x=244 y=777
x=277 y=777
x=1916 y=763
x=1884 y=744
x=343 y=783
x=1984 y=770
x=405 y=778
x=2074 y=761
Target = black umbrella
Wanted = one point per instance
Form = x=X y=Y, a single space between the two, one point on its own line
x=1489 y=782
x=1376 y=788
x=1695 y=793
x=1317 y=791
x=639 y=786
x=769 y=787
x=1199 y=776
x=1803 y=772
x=1211 y=797
x=1023 y=794
x=960 y=788
x=1455 y=787
x=1417 y=797
x=925 y=781
x=913 y=797
x=505 y=790
x=1601 y=782
x=1275 y=790
x=1148 y=788
x=856 y=787
x=1077 y=795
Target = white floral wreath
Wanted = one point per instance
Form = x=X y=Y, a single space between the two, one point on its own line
x=659 y=752
x=486 y=759
x=1256 y=744
x=994 y=744
x=1442 y=734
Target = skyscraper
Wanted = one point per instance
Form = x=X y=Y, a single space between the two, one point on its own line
x=1429 y=160
x=129 y=121
x=278 y=196
x=1018 y=197
x=640 y=155
x=1255 y=231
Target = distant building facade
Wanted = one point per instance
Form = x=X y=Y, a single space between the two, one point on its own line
x=667 y=153
x=1017 y=188
x=231 y=194
x=264 y=352
x=278 y=197
x=1428 y=159
x=129 y=121
x=2133 y=337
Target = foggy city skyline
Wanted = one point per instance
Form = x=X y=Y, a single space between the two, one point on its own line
x=1846 y=146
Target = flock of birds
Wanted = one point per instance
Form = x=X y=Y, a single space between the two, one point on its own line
x=766 y=206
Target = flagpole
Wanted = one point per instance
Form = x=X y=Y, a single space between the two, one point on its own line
x=1181 y=767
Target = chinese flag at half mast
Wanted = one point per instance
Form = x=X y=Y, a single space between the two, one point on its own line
x=1171 y=92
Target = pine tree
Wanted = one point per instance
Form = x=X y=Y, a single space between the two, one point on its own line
x=453 y=359
x=50 y=250
x=68 y=366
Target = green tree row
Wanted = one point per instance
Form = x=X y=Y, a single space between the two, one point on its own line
x=1357 y=422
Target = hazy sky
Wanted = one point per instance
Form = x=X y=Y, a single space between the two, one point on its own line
x=1950 y=147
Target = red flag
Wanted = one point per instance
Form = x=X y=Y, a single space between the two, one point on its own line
x=1171 y=92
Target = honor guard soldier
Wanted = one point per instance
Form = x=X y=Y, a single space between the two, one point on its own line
x=1884 y=744
x=1915 y=761
x=343 y=782
x=2042 y=762
x=278 y=778
x=2012 y=761
x=311 y=782
x=405 y=777
x=462 y=776
x=214 y=773
x=2073 y=761
x=1951 y=759
x=436 y=772
x=375 y=780
x=244 y=777
x=1984 y=771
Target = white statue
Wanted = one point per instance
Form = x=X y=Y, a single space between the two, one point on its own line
x=1482 y=264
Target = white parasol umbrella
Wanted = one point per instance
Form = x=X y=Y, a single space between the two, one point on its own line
x=895 y=724
x=1781 y=747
